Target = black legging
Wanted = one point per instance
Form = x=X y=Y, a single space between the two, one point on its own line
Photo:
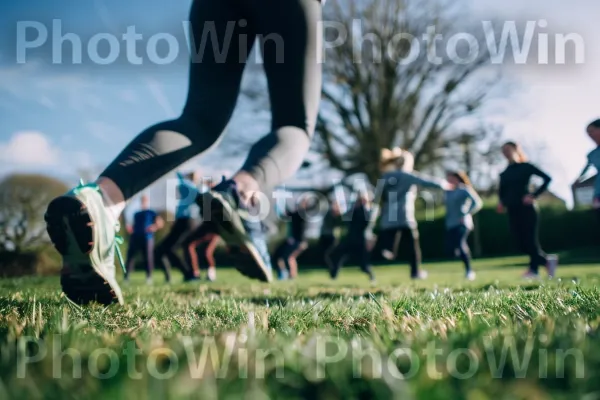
x=389 y=239
x=165 y=252
x=356 y=246
x=524 y=227
x=290 y=47
x=140 y=244
x=326 y=245
x=456 y=242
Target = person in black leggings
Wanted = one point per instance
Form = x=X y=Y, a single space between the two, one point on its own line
x=356 y=242
x=519 y=202
x=222 y=35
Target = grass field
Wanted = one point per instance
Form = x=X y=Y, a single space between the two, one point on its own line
x=444 y=338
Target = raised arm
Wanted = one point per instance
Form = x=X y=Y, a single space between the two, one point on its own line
x=424 y=181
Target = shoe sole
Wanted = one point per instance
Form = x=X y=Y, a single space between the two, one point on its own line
x=231 y=230
x=68 y=217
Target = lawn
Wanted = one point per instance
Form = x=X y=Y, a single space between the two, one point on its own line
x=444 y=338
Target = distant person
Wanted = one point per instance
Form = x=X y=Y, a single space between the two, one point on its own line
x=141 y=240
x=461 y=203
x=286 y=254
x=186 y=221
x=397 y=209
x=593 y=160
x=519 y=202
x=357 y=241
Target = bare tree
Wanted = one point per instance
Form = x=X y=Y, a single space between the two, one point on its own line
x=381 y=90
x=23 y=201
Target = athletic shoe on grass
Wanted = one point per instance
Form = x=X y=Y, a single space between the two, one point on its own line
x=85 y=233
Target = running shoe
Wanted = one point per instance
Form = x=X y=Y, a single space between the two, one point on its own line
x=85 y=233
x=245 y=237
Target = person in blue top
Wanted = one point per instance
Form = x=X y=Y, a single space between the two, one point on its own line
x=141 y=239
x=593 y=160
x=461 y=203
x=186 y=222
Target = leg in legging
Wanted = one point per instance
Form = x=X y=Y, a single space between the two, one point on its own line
x=149 y=257
x=412 y=234
x=134 y=247
x=364 y=256
x=337 y=257
x=517 y=229
x=389 y=240
x=461 y=235
x=530 y=225
x=164 y=254
x=214 y=84
x=294 y=84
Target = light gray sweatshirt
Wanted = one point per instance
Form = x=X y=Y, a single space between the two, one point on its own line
x=398 y=198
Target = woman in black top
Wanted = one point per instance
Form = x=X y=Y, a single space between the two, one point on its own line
x=519 y=202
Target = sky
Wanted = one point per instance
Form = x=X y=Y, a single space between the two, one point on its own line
x=64 y=118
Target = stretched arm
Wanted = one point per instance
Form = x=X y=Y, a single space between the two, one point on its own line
x=545 y=177
x=421 y=180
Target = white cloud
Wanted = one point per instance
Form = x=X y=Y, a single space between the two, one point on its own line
x=33 y=151
x=29 y=148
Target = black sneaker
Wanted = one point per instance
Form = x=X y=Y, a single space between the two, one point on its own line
x=246 y=238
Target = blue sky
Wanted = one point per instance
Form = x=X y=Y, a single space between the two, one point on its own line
x=59 y=118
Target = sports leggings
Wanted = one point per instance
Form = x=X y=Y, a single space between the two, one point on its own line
x=523 y=220
x=390 y=240
x=287 y=32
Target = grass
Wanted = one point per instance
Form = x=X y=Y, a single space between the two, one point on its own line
x=444 y=338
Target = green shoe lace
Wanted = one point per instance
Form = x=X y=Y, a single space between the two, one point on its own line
x=118 y=238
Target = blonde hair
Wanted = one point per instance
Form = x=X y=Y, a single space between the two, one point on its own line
x=396 y=158
x=521 y=156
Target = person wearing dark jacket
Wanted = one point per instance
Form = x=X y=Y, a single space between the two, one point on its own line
x=519 y=202
x=356 y=241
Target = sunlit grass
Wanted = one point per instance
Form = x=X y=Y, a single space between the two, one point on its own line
x=495 y=338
